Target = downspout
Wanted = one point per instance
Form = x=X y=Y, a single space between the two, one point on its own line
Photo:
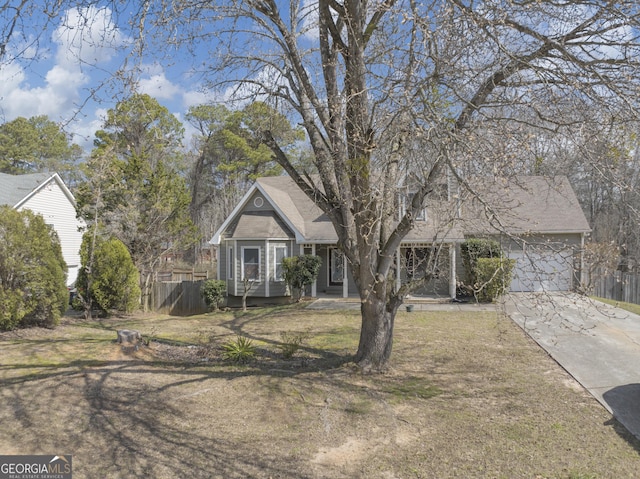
x=345 y=277
x=452 y=271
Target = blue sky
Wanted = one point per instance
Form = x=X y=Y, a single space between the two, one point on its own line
x=62 y=68
x=76 y=55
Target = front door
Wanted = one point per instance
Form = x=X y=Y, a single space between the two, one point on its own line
x=336 y=267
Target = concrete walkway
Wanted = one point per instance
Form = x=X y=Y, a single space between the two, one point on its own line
x=597 y=344
x=417 y=304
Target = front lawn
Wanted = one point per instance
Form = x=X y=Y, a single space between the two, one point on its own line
x=468 y=396
x=633 y=308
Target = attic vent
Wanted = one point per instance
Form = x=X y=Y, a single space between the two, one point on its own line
x=258 y=202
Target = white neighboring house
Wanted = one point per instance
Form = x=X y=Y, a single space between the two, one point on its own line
x=47 y=195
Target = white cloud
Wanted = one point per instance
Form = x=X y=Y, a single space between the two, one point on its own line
x=11 y=76
x=86 y=37
x=158 y=86
x=84 y=131
x=198 y=97
x=309 y=19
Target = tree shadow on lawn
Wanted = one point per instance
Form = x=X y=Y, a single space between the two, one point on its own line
x=143 y=417
x=245 y=324
x=155 y=432
x=136 y=419
x=152 y=418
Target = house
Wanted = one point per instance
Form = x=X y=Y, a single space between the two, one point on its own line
x=537 y=221
x=47 y=195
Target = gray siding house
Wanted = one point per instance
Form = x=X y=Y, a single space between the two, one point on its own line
x=47 y=195
x=537 y=220
x=540 y=224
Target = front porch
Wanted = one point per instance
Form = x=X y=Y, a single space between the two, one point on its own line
x=335 y=281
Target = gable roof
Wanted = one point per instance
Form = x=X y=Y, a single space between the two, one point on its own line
x=522 y=205
x=308 y=219
x=302 y=216
x=307 y=222
x=17 y=189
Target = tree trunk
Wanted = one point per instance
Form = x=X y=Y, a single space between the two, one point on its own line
x=146 y=291
x=248 y=284
x=376 y=334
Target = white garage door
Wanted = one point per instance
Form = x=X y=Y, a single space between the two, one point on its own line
x=542 y=270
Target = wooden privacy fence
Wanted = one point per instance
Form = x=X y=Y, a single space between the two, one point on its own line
x=618 y=286
x=180 y=275
x=178 y=298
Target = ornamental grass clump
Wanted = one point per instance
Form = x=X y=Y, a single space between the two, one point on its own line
x=239 y=350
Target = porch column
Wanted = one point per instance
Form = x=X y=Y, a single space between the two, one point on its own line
x=314 y=285
x=266 y=268
x=222 y=246
x=452 y=271
x=398 y=270
x=235 y=272
x=583 y=274
x=345 y=277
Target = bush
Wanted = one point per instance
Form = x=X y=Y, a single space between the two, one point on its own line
x=213 y=291
x=299 y=272
x=240 y=350
x=112 y=281
x=488 y=271
x=291 y=342
x=474 y=249
x=493 y=277
x=33 y=289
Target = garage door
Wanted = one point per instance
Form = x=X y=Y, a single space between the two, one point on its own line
x=542 y=270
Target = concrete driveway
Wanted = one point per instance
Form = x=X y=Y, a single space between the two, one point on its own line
x=597 y=344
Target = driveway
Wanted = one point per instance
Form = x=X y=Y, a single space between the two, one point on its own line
x=597 y=344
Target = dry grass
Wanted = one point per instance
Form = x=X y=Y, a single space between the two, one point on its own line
x=468 y=396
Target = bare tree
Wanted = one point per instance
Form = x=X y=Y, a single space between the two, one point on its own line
x=21 y=24
x=372 y=81
x=247 y=285
x=398 y=91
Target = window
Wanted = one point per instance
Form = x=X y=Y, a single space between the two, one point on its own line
x=251 y=264
x=422 y=214
x=231 y=264
x=279 y=253
x=336 y=267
